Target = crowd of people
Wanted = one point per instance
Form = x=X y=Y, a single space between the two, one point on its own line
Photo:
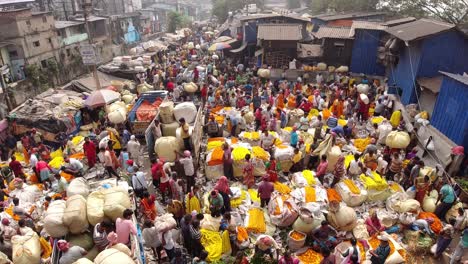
x=178 y=186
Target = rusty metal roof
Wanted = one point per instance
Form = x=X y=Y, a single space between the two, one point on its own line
x=333 y=32
x=279 y=32
x=273 y=15
x=352 y=15
x=419 y=29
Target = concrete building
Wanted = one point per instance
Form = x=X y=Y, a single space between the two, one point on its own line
x=27 y=38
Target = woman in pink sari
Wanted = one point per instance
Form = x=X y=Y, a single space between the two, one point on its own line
x=249 y=179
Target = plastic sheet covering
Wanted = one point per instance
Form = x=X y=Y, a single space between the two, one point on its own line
x=213 y=244
x=147 y=111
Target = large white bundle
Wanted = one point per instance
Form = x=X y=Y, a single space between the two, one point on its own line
x=83 y=261
x=75 y=214
x=332 y=157
x=384 y=129
x=116 y=200
x=190 y=87
x=429 y=203
x=166 y=112
x=284 y=153
x=113 y=256
x=27 y=194
x=300 y=225
x=165 y=222
x=398 y=139
x=78 y=186
x=363 y=88
x=345 y=219
x=165 y=147
x=115 y=106
x=128 y=98
x=342 y=69
x=287 y=211
x=26 y=249
x=249 y=117
x=350 y=198
x=321 y=66
x=185 y=110
x=53 y=220
x=364 y=98
x=376 y=195
x=264 y=73
x=169 y=130
x=400 y=203
x=118 y=116
x=214 y=172
x=360 y=230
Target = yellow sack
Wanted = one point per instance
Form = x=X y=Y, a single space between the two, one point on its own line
x=57 y=153
x=361 y=143
x=313 y=112
x=254 y=195
x=19 y=157
x=375 y=182
x=256 y=222
x=239 y=153
x=310 y=195
x=193 y=204
x=377 y=120
x=213 y=244
x=235 y=202
x=57 y=162
x=226 y=243
x=46 y=248
x=342 y=122
x=395 y=119
x=309 y=176
x=348 y=159
x=351 y=186
x=260 y=153
x=281 y=187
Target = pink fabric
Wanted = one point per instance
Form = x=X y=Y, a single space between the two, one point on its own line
x=265 y=188
x=322 y=168
x=123 y=228
x=41 y=165
x=373 y=225
x=222 y=185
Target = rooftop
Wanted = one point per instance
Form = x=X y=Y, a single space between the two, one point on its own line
x=279 y=32
x=65 y=24
x=10 y=2
x=365 y=25
x=331 y=17
x=419 y=29
x=274 y=15
x=333 y=32
x=396 y=22
x=458 y=77
x=90 y=18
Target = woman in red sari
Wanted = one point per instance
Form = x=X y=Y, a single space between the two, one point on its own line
x=148 y=206
x=249 y=179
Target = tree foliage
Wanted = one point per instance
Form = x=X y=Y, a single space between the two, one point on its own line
x=334 y=6
x=221 y=8
x=174 y=21
x=451 y=11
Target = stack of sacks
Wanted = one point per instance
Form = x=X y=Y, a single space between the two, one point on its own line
x=376 y=186
x=166 y=112
x=342 y=217
x=282 y=210
x=214 y=163
x=352 y=192
x=95 y=207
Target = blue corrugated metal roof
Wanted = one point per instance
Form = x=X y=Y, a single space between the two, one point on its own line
x=450 y=116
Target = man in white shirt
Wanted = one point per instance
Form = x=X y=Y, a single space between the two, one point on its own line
x=267 y=140
x=133 y=147
x=75 y=166
x=152 y=238
x=139 y=182
x=354 y=169
x=189 y=169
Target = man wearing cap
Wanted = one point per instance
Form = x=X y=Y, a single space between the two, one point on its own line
x=133 y=147
x=379 y=255
x=70 y=254
x=75 y=166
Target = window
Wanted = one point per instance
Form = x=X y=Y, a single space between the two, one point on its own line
x=36 y=43
x=68 y=52
x=28 y=22
x=44 y=19
x=44 y=63
x=13 y=53
x=50 y=40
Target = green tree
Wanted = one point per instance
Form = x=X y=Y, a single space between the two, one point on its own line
x=221 y=8
x=174 y=21
x=451 y=11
